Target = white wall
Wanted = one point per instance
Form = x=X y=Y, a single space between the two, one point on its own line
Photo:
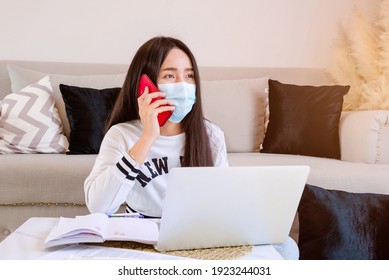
x=279 y=33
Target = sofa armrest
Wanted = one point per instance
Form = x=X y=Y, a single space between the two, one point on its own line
x=364 y=136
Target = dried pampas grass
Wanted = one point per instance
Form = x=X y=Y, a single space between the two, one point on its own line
x=361 y=59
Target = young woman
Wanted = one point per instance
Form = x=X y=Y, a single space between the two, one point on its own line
x=137 y=154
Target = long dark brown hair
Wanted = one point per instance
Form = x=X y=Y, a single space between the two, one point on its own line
x=148 y=60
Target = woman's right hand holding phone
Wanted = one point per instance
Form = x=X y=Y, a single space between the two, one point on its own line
x=148 y=112
x=150 y=105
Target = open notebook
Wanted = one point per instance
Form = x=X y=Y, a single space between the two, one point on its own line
x=229 y=206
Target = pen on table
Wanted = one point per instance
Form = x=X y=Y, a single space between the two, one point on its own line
x=126 y=216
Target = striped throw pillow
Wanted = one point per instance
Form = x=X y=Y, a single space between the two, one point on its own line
x=29 y=121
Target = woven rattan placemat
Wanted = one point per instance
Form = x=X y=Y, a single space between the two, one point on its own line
x=222 y=253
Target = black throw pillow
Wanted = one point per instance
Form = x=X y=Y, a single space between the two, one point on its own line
x=338 y=225
x=304 y=120
x=87 y=110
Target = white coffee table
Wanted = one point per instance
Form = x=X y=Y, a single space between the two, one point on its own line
x=26 y=242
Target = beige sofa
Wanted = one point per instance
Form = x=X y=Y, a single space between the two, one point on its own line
x=34 y=185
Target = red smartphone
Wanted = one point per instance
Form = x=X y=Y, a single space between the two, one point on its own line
x=146 y=82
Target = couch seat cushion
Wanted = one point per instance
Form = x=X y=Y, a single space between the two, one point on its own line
x=44 y=177
x=327 y=173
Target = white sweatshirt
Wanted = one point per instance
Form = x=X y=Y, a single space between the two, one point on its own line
x=116 y=178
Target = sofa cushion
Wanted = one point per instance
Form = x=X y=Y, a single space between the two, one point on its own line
x=29 y=122
x=87 y=110
x=342 y=225
x=364 y=136
x=243 y=129
x=48 y=178
x=20 y=77
x=304 y=120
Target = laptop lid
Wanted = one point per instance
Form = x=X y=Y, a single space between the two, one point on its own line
x=207 y=207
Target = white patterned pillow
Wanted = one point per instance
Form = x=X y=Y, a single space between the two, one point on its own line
x=29 y=121
x=21 y=77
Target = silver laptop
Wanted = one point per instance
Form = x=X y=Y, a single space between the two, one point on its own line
x=209 y=207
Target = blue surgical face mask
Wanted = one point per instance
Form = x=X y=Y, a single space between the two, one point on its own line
x=184 y=97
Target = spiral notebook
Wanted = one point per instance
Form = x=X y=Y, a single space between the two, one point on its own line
x=209 y=207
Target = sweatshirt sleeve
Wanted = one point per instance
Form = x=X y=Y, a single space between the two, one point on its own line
x=113 y=174
x=218 y=145
x=221 y=158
